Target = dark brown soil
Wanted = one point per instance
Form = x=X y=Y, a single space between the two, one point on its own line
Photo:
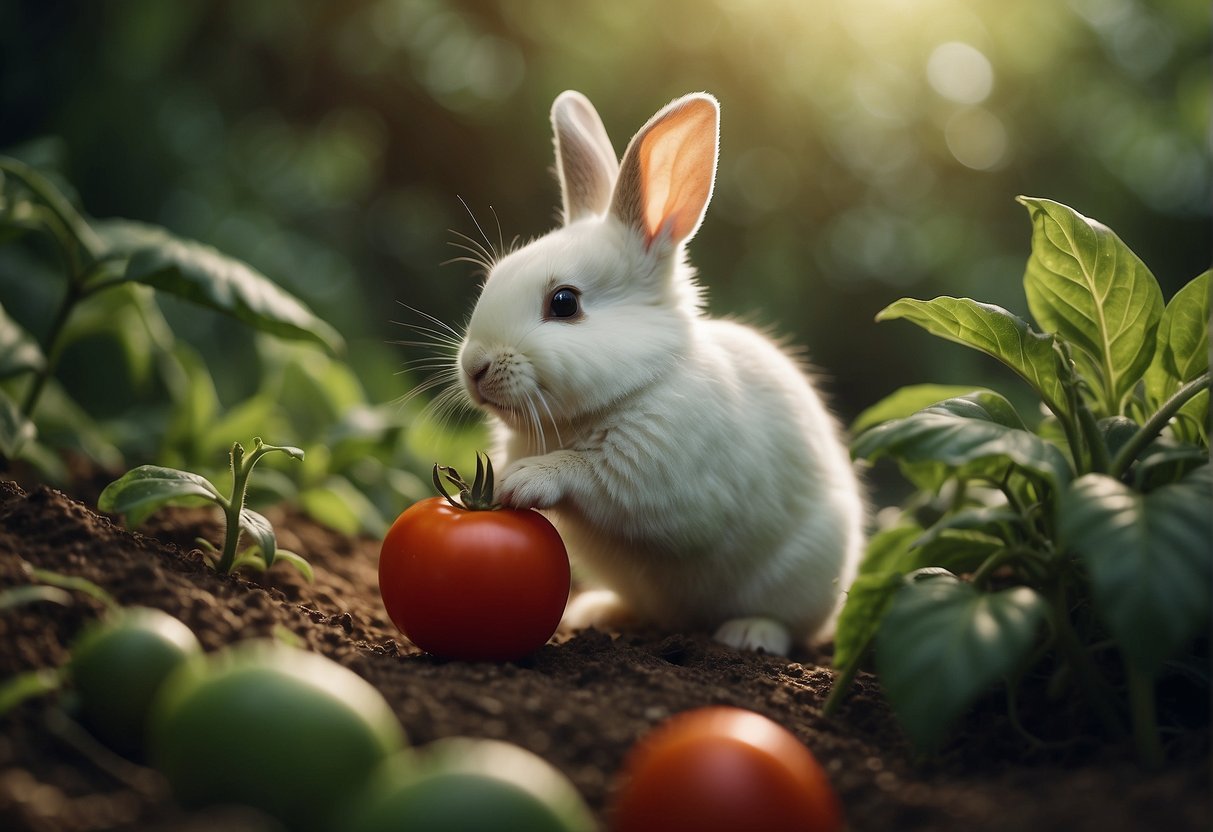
x=579 y=702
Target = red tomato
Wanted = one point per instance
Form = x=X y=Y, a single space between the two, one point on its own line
x=722 y=769
x=487 y=585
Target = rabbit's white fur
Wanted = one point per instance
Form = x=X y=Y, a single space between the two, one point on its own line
x=687 y=461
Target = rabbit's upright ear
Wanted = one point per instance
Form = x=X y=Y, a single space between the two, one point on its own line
x=585 y=160
x=666 y=178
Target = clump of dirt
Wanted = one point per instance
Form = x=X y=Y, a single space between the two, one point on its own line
x=580 y=701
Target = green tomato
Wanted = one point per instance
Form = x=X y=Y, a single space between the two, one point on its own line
x=469 y=785
x=261 y=724
x=118 y=666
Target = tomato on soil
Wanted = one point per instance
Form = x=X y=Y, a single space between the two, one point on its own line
x=119 y=664
x=261 y=724
x=459 y=783
x=721 y=769
x=477 y=585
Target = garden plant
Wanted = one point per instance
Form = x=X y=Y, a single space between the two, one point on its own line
x=108 y=276
x=100 y=256
x=1068 y=548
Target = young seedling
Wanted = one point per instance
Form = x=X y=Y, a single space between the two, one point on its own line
x=141 y=491
x=1031 y=551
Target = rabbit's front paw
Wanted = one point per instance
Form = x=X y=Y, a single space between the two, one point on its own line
x=535 y=481
x=599 y=608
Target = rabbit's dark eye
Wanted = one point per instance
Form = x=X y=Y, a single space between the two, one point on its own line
x=564 y=304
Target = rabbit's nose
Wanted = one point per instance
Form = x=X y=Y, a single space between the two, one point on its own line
x=478 y=371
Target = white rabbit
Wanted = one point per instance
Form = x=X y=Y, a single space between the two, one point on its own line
x=687 y=461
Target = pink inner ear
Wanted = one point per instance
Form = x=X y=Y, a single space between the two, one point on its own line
x=677 y=166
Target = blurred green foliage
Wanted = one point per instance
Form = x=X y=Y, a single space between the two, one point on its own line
x=869 y=150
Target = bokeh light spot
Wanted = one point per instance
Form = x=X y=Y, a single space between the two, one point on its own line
x=960 y=72
x=977 y=138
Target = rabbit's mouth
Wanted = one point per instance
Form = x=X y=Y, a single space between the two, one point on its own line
x=492 y=405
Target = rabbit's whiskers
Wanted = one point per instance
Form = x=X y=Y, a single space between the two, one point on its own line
x=440 y=369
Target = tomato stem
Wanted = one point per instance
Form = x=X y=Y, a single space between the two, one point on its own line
x=475 y=497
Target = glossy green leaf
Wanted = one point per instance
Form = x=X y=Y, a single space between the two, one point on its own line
x=19 y=352
x=889 y=550
x=1184 y=330
x=143 y=490
x=992 y=330
x=205 y=276
x=123 y=238
x=1150 y=558
x=981 y=404
x=867 y=600
x=905 y=401
x=1183 y=341
x=937 y=435
x=942 y=643
x=1083 y=283
x=262 y=533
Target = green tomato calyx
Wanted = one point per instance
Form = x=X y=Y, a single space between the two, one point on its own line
x=476 y=497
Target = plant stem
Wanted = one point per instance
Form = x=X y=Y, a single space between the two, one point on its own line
x=80 y=247
x=990 y=564
x=1029 y=514
x=842 y=684
x=77 y=291
x=242 y=468
x=1069 y=385
x=1146 y=434
x=1094 y=687
x=1145 y=722
x=53 y=349
x=231 y=511
x=1073 y=439
x=1095 y=440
